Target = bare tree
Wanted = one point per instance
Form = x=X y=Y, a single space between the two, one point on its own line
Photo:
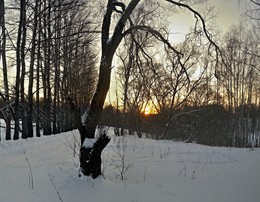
x=5 y=76
x=19 y=48
x=31 y=70
x=109 y=45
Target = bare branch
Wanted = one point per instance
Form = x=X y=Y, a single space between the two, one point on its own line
x=256 y=3
x=196 y=14
x=117 y=35
x=119 y=4
x=160 y=37
x=155 y=33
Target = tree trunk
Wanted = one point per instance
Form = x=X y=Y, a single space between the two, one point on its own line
x=98 y=100
x=6 y=85
x=90 y=157
x=57 y=71
x=22 y=79
x=18 y=69
x=31 y=73
x=109 y=46
x=47 y=62
x=38 y=66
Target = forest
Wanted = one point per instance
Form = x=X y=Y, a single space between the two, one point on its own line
x=59 y=57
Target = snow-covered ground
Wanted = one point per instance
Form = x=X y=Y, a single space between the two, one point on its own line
x=44 y=170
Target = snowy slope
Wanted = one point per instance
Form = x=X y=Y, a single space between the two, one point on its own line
x=163 y=171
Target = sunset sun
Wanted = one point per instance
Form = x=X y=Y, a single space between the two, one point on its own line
x=148 y=110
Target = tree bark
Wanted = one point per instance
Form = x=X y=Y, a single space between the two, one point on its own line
x=22 y=79
x=90 y=160
x=57 y=31
x=6 y=86
x=31 y=72
x=18 y=69
x=38 y=66
x=47 y=130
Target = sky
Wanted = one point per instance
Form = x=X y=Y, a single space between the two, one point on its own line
x=228 y=13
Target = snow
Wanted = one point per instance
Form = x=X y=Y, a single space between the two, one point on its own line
x=152 y=171
x=109 y=41
x=88 y=143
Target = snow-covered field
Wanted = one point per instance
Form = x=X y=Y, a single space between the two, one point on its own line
x=44 y=170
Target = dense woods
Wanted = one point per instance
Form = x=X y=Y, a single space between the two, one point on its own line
x=47 y=57
x=205 y=88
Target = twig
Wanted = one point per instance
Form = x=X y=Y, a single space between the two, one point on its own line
x=30 y=175
x=145 y=173
x=57 y=191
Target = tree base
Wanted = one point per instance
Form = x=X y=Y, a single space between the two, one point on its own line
x=90 y=158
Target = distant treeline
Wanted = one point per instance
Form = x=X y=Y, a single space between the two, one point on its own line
x=210 y=125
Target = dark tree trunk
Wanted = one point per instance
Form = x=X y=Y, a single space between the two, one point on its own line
x=109 y=46
x=22 y=79
x=6 y=85
x=90 y=157
x=57 y=71
x=31 y=74
x=18 y=69
x=38 y=66
x=98 y=100
x=47 y=130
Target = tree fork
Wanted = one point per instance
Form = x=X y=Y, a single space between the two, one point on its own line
x=90 y=158
x=109 y=46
